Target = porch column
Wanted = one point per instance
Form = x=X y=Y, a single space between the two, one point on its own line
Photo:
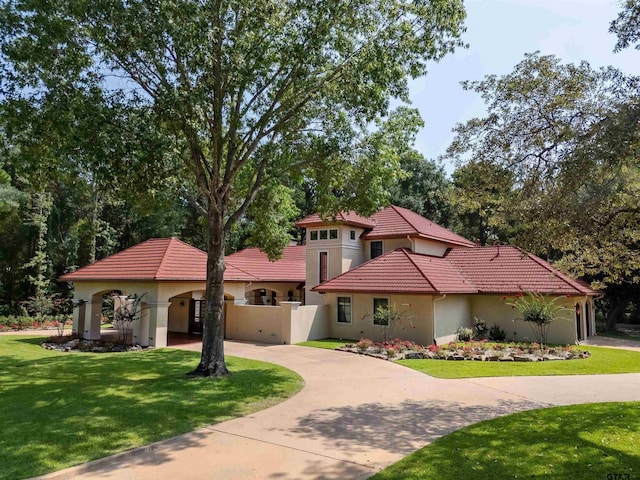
x=140 y=335
x=93 y=314
x=158 y=324
x=78 y=315
x=583 y=319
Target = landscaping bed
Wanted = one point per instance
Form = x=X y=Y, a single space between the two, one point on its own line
x=482 y=351
x=72 y=343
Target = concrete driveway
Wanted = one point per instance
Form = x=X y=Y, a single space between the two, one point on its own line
x=356 y=415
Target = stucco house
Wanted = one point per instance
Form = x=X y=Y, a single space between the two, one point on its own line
x=331 y=285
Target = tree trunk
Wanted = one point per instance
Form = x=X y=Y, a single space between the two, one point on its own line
x=615 y=313
x=212 y=359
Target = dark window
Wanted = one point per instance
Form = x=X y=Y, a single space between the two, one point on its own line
x=344 y=310
x=380 y=305
x=352 y=234
x=324 y=257
x=323 y=234
x=314 y=235
x=376 y=249
x=333 y=234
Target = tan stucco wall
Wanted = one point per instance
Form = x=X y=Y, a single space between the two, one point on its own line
x=429 y=247
x=493 y=310
x=451 y=313
x=417 y=324
x=388 y=245
x=308 y=322
x=179 y=314
x=255 y=323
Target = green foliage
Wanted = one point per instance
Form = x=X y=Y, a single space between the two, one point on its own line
x=481 y=197
x=464 y=334
x=568 y=137
x=497 y=334
x=627 y=25
x=131 y=391
x=423 y=189
x=582 y=441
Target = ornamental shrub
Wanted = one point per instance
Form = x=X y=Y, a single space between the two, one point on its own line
x=497 y=334
x=539 y=312
x=464 y=334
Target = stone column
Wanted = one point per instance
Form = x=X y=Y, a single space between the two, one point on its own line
x=158 y=324
x=93 y=314
x=78 y=316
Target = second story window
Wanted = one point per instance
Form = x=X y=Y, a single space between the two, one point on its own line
x=376 y=249
x=323 y=234
x=352 y=234
x=333 y=234
x=323 y=267
x=313 y=235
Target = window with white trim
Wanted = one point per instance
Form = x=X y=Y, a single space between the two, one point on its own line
x=333 y=234
x=313 y=235
x=323 y=234
x=352 y=234
x=344 y=309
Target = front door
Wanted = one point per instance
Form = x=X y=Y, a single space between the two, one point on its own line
x=196 y=315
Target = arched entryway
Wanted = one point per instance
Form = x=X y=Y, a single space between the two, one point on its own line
x=262 y=296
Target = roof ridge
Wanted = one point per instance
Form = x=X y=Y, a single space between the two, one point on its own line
x=164 y=256
x=241 y=269
x=397 y=210
x=550 y=268
x=406 y=252
x=462 y=273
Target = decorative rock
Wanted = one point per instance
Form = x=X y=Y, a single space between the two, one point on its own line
x=505 y=359
x=523 y=358
x=414 y=356
x=479 y=358
x=552 y=357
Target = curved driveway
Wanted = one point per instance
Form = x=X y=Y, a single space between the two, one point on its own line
x=355 y=416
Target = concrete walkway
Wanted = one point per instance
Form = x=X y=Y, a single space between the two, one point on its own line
x=612 y=342
x=356 y=415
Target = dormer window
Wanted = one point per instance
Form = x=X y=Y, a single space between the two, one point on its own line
x=376 y=249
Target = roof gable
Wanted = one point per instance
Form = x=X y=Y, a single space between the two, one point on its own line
x=411 y=273
x=394 y=222
x=153 y=259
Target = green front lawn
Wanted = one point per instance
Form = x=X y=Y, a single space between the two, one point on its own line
x=592 y=441
x=57 y=410
x=328 y=343
x=602 y=360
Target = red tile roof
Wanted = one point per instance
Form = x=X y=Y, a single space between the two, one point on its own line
x=154 y=259
x=290 y=268
x=347 y=218
x=397 y=222
x=502 y=270
x=507 y=269
x=400 y=271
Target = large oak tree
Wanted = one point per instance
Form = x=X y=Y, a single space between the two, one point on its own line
x=256 y=94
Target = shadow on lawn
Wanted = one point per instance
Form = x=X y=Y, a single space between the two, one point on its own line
x=556 y=443
x=398 y=428
x=62 y=409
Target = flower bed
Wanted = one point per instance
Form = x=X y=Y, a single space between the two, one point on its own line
x=70 y=343
x=16 y=323
x=482 y=351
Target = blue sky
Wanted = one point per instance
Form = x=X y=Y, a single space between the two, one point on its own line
x=499 y=33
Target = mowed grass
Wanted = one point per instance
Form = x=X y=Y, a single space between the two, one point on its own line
x=61 y=409
x=602 y=361
x=328 y=343
x=592 y=441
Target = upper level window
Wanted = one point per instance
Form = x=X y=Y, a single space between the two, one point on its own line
x=313 y=235
x=376 y=249
x=323 y=267
x=344 y=309
x=352 y=234
x=333 y=234
x=323 y=234
x=380 y=305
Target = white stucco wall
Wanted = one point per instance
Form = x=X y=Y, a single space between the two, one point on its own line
x=451 y=313
x=429 y=247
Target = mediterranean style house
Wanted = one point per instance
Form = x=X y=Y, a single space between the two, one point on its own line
x=348 y=268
